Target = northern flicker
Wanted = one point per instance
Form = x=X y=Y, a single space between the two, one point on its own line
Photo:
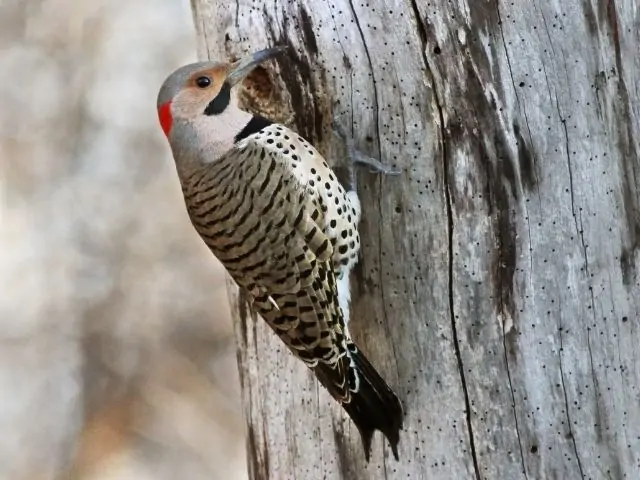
x=272 y=211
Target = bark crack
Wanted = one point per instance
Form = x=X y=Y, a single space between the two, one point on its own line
x=513 y=400
x=566 y=403
x=546 y=29
x=584 y=250
x=344 y=54
x=569 y=167
x=546 y=77
x=534 y=155
x=376 y=116
x=384 y=469
x=450 y=226
x=504 y=333
x=376 y=109
x=586 y=267
x=579 y=228
x=530 y=244
x=506 y=54
x=593 y=376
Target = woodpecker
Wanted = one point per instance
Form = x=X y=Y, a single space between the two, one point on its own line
x=272 y=211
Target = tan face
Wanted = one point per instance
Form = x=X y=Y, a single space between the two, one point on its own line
x=204 y=89
x=199 y=90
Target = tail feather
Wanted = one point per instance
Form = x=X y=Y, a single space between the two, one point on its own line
x=370 y=403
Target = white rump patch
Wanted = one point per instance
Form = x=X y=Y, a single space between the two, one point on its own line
x=355 y=203
x=344 y=295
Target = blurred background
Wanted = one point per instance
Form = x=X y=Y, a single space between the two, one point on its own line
x=117 y=358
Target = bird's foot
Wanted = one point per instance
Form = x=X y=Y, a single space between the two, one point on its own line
x=358 y=157
x=375 y=166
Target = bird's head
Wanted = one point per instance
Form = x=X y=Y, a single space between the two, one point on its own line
x=203 y=91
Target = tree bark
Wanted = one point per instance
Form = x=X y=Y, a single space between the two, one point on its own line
x=498 y=290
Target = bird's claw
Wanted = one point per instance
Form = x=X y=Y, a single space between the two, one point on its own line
x=356 y=156
x=376 y=166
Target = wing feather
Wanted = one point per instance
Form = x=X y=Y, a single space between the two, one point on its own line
x=267 y=229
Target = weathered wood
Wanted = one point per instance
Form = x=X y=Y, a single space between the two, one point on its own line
x=499 y=286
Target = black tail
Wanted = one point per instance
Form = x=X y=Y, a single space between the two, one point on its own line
x=373 y=406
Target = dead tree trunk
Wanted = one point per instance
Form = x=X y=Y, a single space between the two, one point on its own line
x=499 y=285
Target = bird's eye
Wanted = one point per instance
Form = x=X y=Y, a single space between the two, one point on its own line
x=203 y=82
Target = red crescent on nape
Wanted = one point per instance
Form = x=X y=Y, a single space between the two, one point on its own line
x=166 y=120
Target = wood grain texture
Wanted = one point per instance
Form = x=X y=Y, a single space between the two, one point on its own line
x=499 y=286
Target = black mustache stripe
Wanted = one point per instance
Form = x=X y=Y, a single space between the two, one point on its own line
x=221 y=102
x=256 y=124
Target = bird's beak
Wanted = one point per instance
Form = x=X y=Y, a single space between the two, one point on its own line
x=244 y=66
